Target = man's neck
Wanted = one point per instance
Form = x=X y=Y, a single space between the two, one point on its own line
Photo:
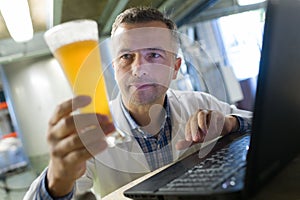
x=149 y=117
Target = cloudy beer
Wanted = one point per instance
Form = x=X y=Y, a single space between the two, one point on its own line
x=75 y=45
x=82 y=66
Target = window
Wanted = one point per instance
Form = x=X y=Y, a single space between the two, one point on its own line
x=242 y=39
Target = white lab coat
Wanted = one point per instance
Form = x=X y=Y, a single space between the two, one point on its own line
x=120 y=165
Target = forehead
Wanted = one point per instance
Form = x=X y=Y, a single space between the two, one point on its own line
x=128 y=26
x=154 y=34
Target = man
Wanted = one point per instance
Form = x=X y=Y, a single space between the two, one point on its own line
x=161 y=121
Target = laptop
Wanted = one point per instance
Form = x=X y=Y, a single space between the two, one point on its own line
x=241 y=164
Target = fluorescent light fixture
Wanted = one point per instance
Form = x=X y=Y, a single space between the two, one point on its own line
x=249 y=2
x=16 y=15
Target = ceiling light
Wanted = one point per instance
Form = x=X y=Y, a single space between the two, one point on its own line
x=16 y=15
x=249 y=2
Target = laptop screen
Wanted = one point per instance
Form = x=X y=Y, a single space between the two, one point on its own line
x=276 y=122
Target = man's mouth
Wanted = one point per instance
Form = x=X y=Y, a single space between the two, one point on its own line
x=142 y=86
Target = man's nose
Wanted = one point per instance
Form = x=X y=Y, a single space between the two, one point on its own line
x=139 y=65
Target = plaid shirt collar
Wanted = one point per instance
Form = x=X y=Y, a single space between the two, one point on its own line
x=134 y=126
x=157 y=149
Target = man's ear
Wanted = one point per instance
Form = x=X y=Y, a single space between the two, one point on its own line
x=177 y=67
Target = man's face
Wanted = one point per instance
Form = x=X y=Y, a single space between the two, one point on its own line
x=144 y=62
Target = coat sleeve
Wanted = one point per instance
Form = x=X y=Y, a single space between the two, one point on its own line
x=244 y=117
x=34 y=187
x=82 y=185
x=191 y=101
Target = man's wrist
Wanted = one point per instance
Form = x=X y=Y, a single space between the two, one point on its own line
x=235 y=124
x=63 y=194
x=244 y=124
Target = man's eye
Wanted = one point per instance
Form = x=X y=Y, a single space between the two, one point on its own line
x=126 y=56
x=155 y=55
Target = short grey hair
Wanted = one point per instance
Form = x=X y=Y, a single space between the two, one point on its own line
x=145 y=14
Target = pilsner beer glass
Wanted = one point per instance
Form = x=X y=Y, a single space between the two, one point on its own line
x=75 y=45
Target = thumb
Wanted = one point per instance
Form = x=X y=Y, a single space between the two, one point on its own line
x=183 y=144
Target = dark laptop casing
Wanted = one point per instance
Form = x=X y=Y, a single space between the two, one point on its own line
x=275 y=135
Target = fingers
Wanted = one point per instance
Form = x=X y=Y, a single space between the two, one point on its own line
x=92 y=121
x=79 y=131
x=68 y=134
x=67 y=107
x=82 y=154
x=203 y=122
x=197 y=126
x=188 y=134
x=183 y=144
x=62 y=124
x=73 y=139
x=61 y=129
x=67 y=145
x=90 y=140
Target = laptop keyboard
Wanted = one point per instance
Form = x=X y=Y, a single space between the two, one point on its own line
x=214 y=170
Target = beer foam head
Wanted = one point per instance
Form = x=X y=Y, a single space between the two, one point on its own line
x=69 y=32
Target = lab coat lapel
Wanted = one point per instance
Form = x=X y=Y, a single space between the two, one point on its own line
x=128 y=155
x=178 y=117
x=181 y=109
